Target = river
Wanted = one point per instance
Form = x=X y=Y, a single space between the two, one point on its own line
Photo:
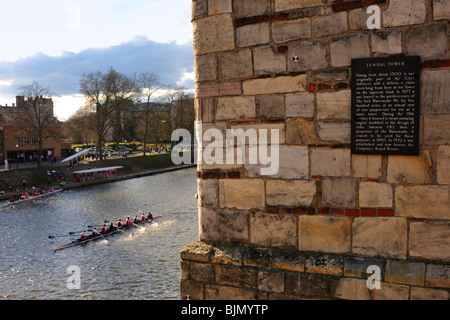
x=143 y=263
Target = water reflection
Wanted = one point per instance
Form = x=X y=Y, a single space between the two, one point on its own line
x=142 y=264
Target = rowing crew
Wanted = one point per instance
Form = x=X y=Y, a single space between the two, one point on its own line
x=120 y=225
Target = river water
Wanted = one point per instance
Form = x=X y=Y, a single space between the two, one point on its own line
x=143 y=263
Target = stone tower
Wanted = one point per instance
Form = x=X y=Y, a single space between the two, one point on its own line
x=329 y=224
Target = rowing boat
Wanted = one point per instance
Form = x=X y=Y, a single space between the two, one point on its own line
x=103 y=236
x=31 y=198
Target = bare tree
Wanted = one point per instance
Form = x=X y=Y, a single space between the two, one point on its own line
x=150 y=84
x=37 y=117
x=107 y=94
x=80 y=128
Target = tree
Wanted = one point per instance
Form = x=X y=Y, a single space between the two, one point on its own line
x=150 y=84
x=37 y=118
x=180 y=107
x=80 y=128
x=107 y=94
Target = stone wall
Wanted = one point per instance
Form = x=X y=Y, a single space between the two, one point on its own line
x=313 y=229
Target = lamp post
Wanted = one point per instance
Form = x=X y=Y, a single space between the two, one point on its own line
x=17 y=160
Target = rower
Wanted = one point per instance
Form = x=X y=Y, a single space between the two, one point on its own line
x=83 y=235
x=136 y=219
x=111 y=227
x=127 y=222
x=95 y=232
x=119 y=224
x=103 y=229
x=143 y=217
x=149 y=216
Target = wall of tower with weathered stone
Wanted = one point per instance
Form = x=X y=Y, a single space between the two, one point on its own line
x=313 y=229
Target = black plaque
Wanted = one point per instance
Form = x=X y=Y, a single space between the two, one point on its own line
x=386 y=105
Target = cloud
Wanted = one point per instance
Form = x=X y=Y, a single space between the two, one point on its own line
x=171 y=61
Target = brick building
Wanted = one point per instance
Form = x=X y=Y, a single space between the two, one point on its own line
x=16 y=144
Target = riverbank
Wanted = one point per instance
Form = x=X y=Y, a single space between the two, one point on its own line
x=133 y=167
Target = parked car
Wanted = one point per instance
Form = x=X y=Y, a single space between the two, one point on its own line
x=123 y=148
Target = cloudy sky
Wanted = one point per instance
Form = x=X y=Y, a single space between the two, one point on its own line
x=56 y=41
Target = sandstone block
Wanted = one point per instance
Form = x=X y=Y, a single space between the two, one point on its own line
x=379 y=236
x=401 y=13
x=208 y=191
x=223 y=225
x=291 y=30
x=213 y=34
x=339 y=192
x=389 y=42
x=311 y=56
x=236 y=276
x=324 y=233
x=374 y=194
x=435 y=129
x=283 y=84
x=219 y=6
x=335 y=131
x=428 y=42
x=273 y=230
x=366 y=166
x=236 y=108
x=429 y=240
x=441 y=9
x=199 y=8
x=245 y=8
x=443 y=165
x=253 y=34
x=357 y=19
x=284 y=5
x=352 y=289
x=331 y=24
x=408 y=169
x=266 y=61
x=389 y=291
x=247 y=128
x=334 y=105
x=427 y=201
x=418 y=293
x=438 y=275
x=271 y=106
x=241 y=194
x=226 y=88
x=271 y=281
x=237 y=64
x=324 y=264
x=330 y=162
x=412 y=273
x=204 y=109
x=356 y=267
x=301 y=132
x=202 y=272
x=290 y=193
x=432 y=99
x=191 y=288
x=205 y=67
x=300 y=105
x=293 y=164
x=214 y=292
x=345 y=48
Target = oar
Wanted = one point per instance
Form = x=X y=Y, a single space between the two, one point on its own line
x=69 y=235
x=97 y=225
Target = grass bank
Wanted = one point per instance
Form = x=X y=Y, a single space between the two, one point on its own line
x=37 y=177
